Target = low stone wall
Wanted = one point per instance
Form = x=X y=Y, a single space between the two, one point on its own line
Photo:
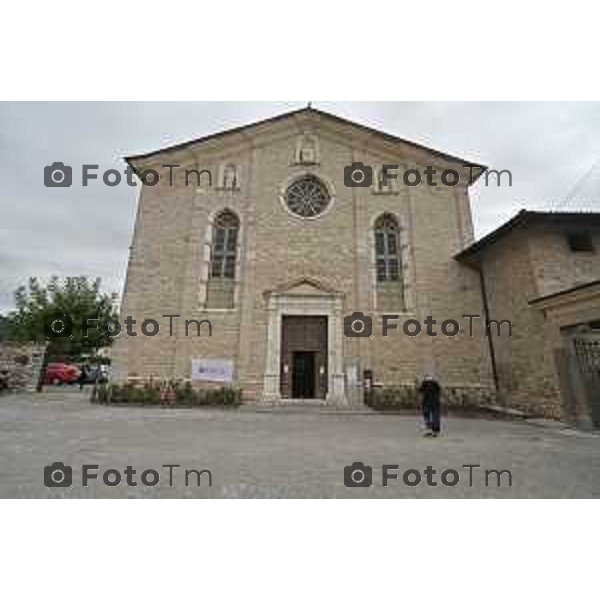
x=20 y=365
x=463 y=398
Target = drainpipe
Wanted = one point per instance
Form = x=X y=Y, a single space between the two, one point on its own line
x=487 y=332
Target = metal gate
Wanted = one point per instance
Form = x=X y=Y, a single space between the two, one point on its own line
x=587 y=353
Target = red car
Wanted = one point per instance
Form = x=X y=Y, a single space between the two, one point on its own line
x=61 y=373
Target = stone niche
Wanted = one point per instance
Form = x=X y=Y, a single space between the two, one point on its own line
x=20 y=365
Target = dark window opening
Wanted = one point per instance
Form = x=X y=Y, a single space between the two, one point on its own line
x=580 y=242
x=224 y=248
x=387 y=248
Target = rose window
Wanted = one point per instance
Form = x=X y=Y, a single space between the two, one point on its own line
x=307 y=197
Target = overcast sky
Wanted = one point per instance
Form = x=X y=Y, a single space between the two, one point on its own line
x=549 y=147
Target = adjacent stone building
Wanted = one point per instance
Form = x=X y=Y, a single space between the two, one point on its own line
x=541 y=271
x=268 y=242
x=20 y=365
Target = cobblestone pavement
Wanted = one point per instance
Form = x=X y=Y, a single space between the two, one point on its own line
x=280 y=454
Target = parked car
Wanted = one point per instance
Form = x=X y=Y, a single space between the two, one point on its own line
x=91 y=374
x=59 y=373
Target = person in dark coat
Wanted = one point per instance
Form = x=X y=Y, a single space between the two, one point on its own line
x=431 y=391
x=84 y=375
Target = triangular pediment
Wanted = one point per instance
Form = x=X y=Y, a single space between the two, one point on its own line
x=351 y=133
x=304 y=287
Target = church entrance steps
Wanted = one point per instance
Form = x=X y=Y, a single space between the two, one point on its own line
x=306 y=406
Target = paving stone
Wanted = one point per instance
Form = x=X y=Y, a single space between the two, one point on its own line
x=280 y=454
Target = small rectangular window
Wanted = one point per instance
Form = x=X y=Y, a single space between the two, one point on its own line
x=216 y=267
x=392 y=245
x=580 y=242
x=219 y=239
x=381 y=274
x=229 y=267
x=379 y=242
x=231 y=240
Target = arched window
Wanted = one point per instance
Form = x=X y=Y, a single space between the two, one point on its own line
x=220 y=287
x=224 y=245
x=387 y=248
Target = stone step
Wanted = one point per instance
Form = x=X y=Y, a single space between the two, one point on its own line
x=306 y=405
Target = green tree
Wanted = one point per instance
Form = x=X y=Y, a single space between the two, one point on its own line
x=7 y=328
x=57 y=313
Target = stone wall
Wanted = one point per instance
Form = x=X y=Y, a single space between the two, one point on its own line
x=556 y=267
x=521 y=267
x=472 y=398
x=20 y=365
x=526 y=375
x=170 y=254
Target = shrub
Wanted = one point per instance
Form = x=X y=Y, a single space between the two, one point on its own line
x=150 y=394
x=185 y=395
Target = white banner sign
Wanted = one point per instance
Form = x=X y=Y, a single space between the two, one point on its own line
x=208 y=369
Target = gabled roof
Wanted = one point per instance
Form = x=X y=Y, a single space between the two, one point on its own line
x=589 y=285
x=310 y=111
x=524 y=219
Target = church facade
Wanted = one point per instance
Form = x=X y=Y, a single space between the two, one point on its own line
x=258 y=240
